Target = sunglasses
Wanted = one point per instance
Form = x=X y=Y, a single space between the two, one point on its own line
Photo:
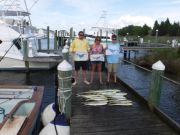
x=81 y=35
x=98 y=40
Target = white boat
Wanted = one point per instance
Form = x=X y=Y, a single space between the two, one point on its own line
x=22 y=45
x=19 y=109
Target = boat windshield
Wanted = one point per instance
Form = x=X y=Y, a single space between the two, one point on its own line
x=10 y=98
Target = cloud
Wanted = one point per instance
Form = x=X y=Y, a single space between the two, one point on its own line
x=131 y=20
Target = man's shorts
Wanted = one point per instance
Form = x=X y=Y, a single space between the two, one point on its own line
x=81 y=64
x=112 y=68
x=96 y=62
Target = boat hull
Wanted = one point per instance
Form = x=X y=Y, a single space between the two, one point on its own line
x=16 y=64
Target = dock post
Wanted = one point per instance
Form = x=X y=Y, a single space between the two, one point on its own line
x=106 y=36
x=100 y=31
x=125 y=54
x=26 y=52
x=156 y=81
x=71 y=34
x=55 y=40
x=39 y=44
x=129 y=54
x=48 y=41
x=58 y=39
x=84 y=30
x=64 y=88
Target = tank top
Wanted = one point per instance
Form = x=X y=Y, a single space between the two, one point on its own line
x=97 y=49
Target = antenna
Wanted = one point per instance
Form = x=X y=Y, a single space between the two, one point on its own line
x=27 y=11
x=102 y=21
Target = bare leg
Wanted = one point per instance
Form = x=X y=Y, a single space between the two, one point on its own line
x=76 y=76
x=100 y=72
x=92 y=72
x=108 y=76
x=114 y=77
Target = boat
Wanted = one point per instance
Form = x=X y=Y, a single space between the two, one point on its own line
x=19 y=109
x=22 y=45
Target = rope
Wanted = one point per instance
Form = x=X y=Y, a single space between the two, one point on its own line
x=62 y=91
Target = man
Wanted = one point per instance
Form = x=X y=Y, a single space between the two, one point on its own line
x=113 y=57
x=80 y=49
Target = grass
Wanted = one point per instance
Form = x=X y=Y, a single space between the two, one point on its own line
x=170 y=58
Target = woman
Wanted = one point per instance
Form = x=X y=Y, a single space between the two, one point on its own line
x=97 y=56
x=113 y=57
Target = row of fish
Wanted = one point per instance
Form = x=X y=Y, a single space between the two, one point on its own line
x=105 y=97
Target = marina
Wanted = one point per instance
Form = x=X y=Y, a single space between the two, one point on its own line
x=21 y=42
x=41 y=92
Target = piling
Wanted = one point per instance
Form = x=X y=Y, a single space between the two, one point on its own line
x=71 y=34
x=48 y=41
x=26 y=52
x=55 y=40
x=39 y=45
x=84 y=30
x=155 y=87
x=65 y=88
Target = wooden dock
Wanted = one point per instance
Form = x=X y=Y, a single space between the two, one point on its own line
x=136 y=48
x=114 y=120
x=50 y=59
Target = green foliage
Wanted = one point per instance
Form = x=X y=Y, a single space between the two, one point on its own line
x=170 y=58
x=134 y=30
x=165 y=28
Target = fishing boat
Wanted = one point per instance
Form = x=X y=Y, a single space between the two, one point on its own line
x=22 y=45
x=19 y=109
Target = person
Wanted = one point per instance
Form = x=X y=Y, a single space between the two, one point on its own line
x=112 y=56
x=80 y=49
x=97 y=52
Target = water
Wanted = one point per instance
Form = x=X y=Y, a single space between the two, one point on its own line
x=140 y=80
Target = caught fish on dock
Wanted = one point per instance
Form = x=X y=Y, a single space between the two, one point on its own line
x=105 y=97
x=96 y=103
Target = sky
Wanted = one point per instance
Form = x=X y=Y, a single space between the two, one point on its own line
x=79 y=14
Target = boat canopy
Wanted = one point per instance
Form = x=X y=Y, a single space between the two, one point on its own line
x=13 y=13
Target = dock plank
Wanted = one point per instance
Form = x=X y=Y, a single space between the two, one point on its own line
x=113 y=120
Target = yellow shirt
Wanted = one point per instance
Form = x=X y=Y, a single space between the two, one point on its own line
x=79 y=45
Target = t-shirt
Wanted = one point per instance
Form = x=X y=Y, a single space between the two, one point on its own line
x=97 y=49
x=112 y=53
x=79 y=45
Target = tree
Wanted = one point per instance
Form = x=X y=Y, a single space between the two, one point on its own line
x=156 y=27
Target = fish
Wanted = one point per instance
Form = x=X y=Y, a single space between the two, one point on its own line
x=103 y=97
x=122 y=104
x=120 y=101
x=96 y=103
x=99 y=91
